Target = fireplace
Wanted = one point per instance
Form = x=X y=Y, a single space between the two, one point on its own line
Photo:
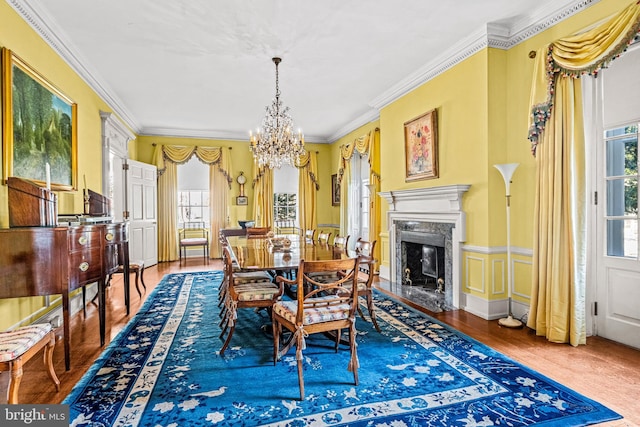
x=426 y=232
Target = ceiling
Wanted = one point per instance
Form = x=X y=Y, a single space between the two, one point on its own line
x=202 y=68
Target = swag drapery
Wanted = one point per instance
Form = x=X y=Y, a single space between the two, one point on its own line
x=367 y=144
x=166 y=158
x=558 y=309
x=307 y=190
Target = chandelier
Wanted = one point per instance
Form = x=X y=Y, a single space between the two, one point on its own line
x=276 y=143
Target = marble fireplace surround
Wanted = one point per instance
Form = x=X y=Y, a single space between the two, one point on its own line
x=435 y=204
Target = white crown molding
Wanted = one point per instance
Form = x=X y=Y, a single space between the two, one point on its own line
x=362 y=120
x=37 y=19
x=494 y=35
x=211 y=134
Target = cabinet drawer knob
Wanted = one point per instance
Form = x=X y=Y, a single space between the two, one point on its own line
x=109 y=237
x=82 y=240
x=84 y=266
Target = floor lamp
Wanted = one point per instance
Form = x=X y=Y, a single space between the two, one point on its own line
x=507 y=170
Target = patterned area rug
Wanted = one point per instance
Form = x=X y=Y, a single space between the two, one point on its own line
x=164 y=369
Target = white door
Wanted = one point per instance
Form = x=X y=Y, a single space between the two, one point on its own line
x=617 y=289
x=142 y=194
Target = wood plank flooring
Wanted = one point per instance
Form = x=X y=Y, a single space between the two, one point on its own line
x=602 y=370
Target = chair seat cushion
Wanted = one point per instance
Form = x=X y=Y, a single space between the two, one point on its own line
x=194 y=241
x=319 y=313
x=256 y=291
x=14 y=344
x=251 y=276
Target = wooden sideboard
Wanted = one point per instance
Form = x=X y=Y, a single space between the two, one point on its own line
x=38 y=261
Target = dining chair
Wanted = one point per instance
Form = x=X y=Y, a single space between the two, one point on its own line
x=364 y=249
x=341 y=242
x=318 y=307
x=243 y=294
x=194 y=234
x=323 y=238
x=310 y=235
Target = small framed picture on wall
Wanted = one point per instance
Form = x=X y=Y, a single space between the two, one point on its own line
x=335 y=190
x=242 y=200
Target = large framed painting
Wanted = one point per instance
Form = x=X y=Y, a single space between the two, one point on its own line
x=421 y=146
x=39 y=127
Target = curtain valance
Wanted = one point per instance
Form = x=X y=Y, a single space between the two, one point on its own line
x=362 y=145
x=573 y=56
x=180 y=155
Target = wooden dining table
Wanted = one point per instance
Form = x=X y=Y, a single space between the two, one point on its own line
x=257 y=253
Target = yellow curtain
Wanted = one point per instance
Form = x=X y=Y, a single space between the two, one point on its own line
x=366 y=145
x=167 y=212
x=219 y=185
x=166 y=158
x=556 y=133
x=307 y=190
x=262 y=195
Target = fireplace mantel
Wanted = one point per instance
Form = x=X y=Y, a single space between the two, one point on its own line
x=436 y=204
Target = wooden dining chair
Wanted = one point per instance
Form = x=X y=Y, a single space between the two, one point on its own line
x=364 y=249
x=318 y=307
x=323 y=238
x=341 y=242
x=243 y=294
x=193 y=235
x=310 y=235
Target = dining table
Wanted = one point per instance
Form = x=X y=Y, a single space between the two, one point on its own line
x=264 y=253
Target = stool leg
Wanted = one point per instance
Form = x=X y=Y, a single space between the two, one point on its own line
x=137 y=283
x=48 y=359
x=14 y=381
x=142 y=278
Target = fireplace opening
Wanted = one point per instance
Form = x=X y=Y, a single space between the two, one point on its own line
x=425 y=266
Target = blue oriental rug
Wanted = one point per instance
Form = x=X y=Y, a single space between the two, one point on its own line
x=163 y=369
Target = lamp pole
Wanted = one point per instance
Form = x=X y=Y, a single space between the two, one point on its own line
x=507 y=170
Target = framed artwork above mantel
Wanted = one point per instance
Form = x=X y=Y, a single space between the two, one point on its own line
x=39 y=127
x=421 y=147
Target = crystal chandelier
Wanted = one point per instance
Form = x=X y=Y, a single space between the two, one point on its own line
x=275 y=143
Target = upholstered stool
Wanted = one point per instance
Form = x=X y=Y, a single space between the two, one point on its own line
x=20 y=345
x=136 y=267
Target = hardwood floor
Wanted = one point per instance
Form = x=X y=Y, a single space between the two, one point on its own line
x=602 y=370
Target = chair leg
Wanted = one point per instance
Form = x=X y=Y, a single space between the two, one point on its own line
x=300 y=362
x=226 y=342
x=372 y=312
x=48 y=359
x=14 y=381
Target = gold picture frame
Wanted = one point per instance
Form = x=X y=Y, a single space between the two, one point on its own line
x=421 y=147
x=39 y=127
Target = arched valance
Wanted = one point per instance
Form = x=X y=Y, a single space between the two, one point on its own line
x=180 y=155
x=573 y=56
x=305 y=162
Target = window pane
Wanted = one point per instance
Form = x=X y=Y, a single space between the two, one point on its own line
x=625 y=130
x=622 y=156
x=291 y=199
x=622 y=197
x=622 y=238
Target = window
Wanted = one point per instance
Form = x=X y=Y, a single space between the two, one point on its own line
x=285 y=197
x=193 y=192
x=193 y=206
x=622 y=191
x=285 y=207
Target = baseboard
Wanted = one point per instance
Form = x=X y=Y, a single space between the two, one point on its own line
x=492 y=310
x=384 y=272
